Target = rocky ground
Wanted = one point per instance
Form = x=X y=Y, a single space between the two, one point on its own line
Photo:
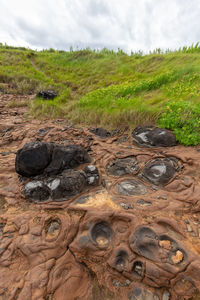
x=135 y=234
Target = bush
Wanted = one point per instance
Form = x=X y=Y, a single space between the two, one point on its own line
x=183 y=117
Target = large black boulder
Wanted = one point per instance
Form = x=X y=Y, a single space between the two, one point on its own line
x=66 y=157
x=33 y=158
x=150 y=136
x=36 y=158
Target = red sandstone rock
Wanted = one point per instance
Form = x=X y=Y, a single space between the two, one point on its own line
x=99 y=244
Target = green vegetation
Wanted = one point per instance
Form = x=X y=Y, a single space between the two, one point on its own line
x=111 y=89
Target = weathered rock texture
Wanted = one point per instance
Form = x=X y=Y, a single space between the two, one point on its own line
x=133 y=234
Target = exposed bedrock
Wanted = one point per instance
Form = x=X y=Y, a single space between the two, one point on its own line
x=123 y=224
x=150 y=136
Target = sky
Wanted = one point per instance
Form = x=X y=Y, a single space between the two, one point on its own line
x=131 y=25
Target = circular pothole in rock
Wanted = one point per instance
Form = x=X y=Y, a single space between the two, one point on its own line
x=138 y=269
x=52 y=229
x=144 y=242
x=131 y=187
x=101 y=234
x=120 y=261
x=123 y=166
x=159 y=171
x=36 y=191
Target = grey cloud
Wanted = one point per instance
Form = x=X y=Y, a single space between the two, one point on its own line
x=128 y=24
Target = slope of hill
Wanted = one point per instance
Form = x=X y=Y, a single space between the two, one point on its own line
x=111 y=89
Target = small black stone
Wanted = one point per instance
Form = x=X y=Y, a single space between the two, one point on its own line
x=47 y=94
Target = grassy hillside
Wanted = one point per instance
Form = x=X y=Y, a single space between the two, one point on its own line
x=105 y=88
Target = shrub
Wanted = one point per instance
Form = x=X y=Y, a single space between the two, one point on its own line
x=183 y=117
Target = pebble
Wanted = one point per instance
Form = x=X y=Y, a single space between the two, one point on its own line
x=165 y=244
x=162 y=197
x=178 y=257
x=126 y=205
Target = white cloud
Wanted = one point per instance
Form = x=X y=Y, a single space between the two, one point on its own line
x=128 y=24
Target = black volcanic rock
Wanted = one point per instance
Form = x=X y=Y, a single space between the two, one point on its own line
x=47 y=94
x=101 y=132
x=36 y=158
x=66 y=157
x=33 y=158
x=149 y=136
x=69 y=184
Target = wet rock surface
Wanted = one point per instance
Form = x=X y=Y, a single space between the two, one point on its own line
x=83 y=231
x=149 y=136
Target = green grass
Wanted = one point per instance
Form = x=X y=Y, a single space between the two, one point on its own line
x=111 y=89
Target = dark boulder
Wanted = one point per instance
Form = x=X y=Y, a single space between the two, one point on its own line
x=101 y=132
x=33 y=158
x=47 y=95
x=36 y=158
x=69 y=184
x=66 y=157
x=149 y=136
x=36 y=190
x=59 y=188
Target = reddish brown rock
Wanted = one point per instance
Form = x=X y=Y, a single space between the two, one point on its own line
x=124 y=237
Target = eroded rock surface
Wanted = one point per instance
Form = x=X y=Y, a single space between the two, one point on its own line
x=108 y=228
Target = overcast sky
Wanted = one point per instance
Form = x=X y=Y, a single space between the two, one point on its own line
x=127 y=24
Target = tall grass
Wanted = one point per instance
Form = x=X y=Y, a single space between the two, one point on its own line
x=106 y=87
